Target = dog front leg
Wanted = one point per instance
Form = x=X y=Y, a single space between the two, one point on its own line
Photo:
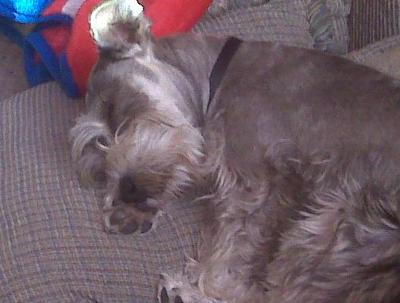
x=226 y=270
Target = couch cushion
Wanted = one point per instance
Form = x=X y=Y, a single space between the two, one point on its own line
x=304 y=23
x=383 y=55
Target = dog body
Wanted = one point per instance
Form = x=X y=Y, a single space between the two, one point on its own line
x=308 y=183
x=299 y=151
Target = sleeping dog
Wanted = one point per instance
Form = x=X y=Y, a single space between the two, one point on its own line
x=297 y=153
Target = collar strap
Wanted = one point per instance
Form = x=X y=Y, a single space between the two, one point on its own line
x=221 y=65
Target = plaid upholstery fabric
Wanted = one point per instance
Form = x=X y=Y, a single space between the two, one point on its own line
x=52 y=244
x=279 y=20
x=304 y=23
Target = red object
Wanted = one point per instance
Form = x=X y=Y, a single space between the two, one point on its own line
x=174 y=16
x=81 y=50
x=76 y=50
x=168 y=17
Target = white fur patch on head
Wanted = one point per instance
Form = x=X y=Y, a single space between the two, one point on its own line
x=132 y=7
x=104 y=16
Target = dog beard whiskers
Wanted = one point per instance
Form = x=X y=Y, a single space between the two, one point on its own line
x=90 y=140
x=157 y=146
x=87 y=130
x=119 y=128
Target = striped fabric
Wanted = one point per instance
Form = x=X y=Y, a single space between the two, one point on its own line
x=372 y=20
x=52 y=244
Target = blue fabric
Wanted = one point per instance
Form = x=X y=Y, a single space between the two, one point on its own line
x=50 y=67
x=8 y=29
x=40 y=71
x=67 y=78
x=24 y=11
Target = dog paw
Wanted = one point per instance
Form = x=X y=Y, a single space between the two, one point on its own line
x=164 y=297
x=127 y=219
x=177 y=289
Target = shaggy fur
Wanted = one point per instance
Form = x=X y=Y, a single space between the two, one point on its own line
x=300 y=153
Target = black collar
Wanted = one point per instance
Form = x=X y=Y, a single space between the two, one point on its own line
x=221 y=65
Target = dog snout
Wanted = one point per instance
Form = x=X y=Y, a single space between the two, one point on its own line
x=129 y=192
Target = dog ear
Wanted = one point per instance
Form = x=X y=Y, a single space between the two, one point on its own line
x=118 y=25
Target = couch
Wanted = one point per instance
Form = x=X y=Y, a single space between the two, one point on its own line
x=53 y=247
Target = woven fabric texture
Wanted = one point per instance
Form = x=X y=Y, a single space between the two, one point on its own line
x=52 y=244
x=371 y=21
x=279 y=20
x=383 y=55
x=317 y=24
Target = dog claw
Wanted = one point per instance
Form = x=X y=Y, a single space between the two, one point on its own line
x=178 y=299
x=129 y=228
x=164 y=296
x=117 y=216
x=146 y=226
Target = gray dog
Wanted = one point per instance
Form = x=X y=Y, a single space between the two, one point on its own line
x=299 y=152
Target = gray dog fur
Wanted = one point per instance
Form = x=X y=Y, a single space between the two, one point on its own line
x=298 y=160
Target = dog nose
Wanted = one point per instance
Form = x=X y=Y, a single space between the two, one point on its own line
x=129 y=192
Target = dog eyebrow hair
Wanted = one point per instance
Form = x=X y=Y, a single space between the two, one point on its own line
x=160 y=122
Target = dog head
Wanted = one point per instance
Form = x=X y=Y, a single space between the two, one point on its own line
x=135 y=131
